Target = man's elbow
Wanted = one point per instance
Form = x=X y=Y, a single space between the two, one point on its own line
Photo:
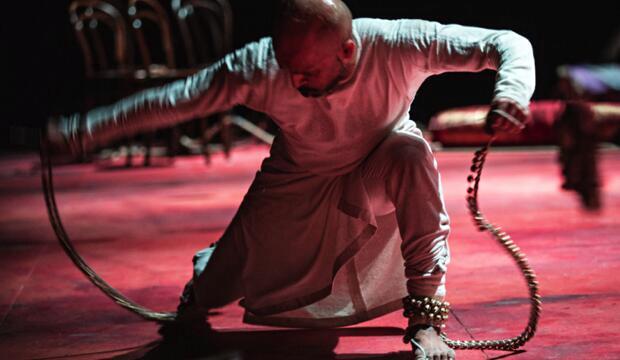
x=516 y=42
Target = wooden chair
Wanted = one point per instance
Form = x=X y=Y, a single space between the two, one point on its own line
x=107 y=48
x=102 y=35
x=155 y=63
x=150 y=12
x=206 y=28
x=90 y=20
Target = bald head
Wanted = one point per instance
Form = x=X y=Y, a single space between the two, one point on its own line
x=314 y=37
x=299 y=17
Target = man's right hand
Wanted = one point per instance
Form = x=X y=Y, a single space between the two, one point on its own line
x=60 y=147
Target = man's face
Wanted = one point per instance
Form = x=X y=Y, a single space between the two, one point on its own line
x=313 y=65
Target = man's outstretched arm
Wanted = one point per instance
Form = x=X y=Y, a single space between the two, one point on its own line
x=215 y=88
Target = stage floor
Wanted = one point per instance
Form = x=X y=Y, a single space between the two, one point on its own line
x=140 y=227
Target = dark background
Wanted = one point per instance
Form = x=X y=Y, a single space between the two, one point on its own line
x=43 y=69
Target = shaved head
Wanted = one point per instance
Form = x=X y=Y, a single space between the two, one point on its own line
x=313 y=40
x=327 y=17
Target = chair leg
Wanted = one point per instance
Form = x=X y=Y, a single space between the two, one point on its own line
x=173 y=142
x=223 y=125
x=205 y=137
x=226 y=134
x=148 y=143
x=128 y=158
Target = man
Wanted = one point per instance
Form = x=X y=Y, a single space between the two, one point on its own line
x=350 y=189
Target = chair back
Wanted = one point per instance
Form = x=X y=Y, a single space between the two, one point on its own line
x=206 y=29
x=150 y=17
x=101 y=32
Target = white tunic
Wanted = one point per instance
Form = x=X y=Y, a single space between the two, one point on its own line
x=313 y=251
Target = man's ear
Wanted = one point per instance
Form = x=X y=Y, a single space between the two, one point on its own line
x=347 y=51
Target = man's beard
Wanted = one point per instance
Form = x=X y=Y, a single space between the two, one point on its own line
x=312 y=92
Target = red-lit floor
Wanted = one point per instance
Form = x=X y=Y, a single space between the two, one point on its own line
x=139 y=229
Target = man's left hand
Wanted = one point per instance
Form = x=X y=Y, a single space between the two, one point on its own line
x=505 y=116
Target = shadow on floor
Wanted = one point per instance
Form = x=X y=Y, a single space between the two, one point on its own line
x=303 y=344
x=512 y=353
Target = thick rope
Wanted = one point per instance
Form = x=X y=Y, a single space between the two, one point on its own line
x=504 y=239
x=65 y=242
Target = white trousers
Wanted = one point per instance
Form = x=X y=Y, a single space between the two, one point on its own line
x=402 y=179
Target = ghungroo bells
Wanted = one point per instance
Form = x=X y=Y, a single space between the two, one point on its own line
x=426 y=311
x=431 y=311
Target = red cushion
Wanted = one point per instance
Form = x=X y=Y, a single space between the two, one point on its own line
x=464 y=126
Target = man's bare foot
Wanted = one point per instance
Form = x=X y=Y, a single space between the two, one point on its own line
x=431 y=346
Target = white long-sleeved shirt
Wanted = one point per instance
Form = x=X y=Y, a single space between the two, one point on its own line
x=320 y=143
x=330 y=134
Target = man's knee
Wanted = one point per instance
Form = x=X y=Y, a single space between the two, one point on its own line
x=398 y=154
x=408 y=147
x=396 y=150
x=407 y=157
